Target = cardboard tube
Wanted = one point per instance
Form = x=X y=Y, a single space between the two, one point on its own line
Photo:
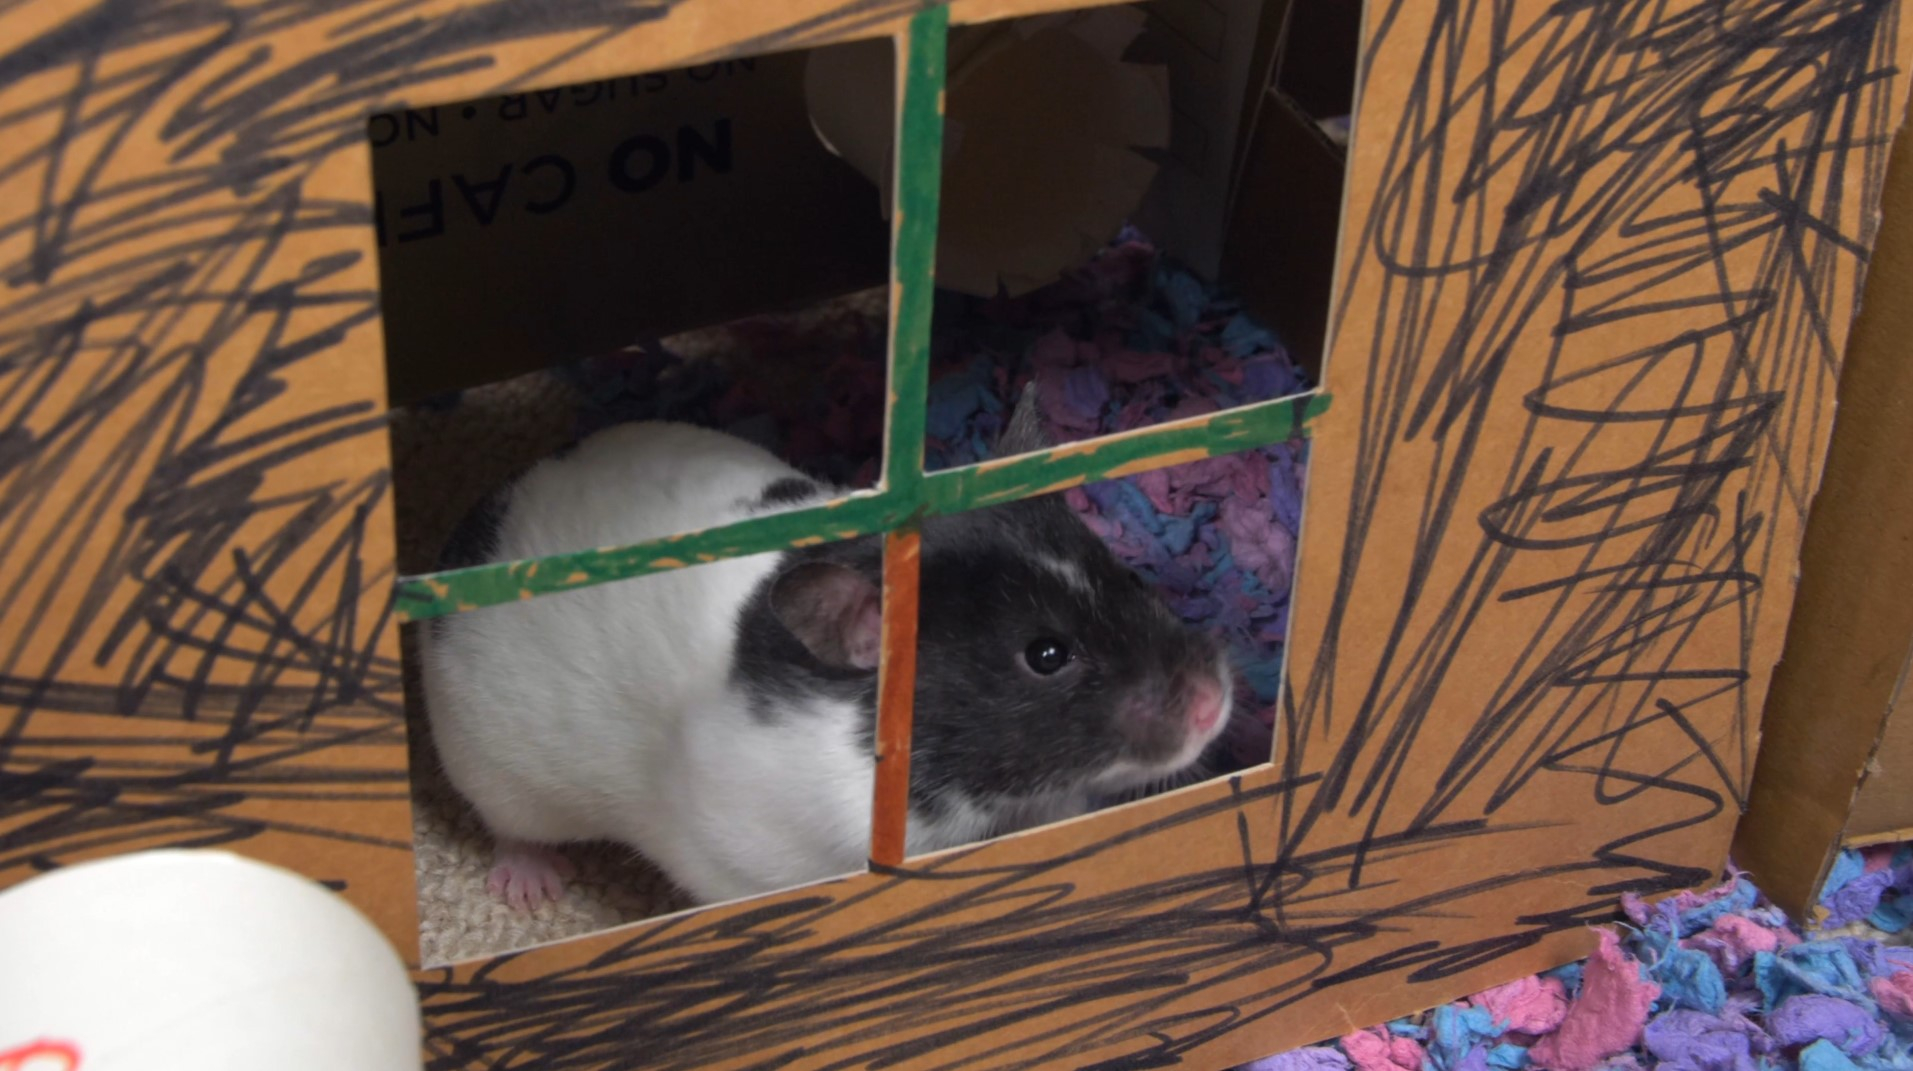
x=169 y=960
x=1043 y=124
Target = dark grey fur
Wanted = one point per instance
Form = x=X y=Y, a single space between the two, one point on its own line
x=986 y=727
x=475 y=540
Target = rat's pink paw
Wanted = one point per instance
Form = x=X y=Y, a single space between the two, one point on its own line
x=527 y=875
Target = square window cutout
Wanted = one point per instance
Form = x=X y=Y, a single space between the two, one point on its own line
x=709 y=247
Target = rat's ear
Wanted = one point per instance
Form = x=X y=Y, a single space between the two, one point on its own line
x=833 y=611
x=1024 y=432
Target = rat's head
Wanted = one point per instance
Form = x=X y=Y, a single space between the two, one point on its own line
x=1043 y=663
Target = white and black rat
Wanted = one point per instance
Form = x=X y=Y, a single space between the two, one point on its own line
x=720 y=718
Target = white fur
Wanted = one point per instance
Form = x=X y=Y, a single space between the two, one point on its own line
x=606 y=712
x=1068 y=572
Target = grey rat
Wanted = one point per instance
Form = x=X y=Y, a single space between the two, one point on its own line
x=720 y=718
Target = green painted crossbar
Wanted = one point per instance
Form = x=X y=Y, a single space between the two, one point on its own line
x=950 y=491
x=907 y=493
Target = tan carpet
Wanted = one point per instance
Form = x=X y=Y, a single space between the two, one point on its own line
x=443 y=463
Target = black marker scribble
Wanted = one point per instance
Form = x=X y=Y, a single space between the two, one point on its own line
x=1597 y=335
x=181 y=551
x=1641 y=241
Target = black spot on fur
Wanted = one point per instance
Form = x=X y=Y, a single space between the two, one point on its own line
x=475 y=539
x=787 y=491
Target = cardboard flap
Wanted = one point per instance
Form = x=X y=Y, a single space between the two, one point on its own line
x=1051 y=125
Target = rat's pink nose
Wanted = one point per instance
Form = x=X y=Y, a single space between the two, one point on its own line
x=1205 y=705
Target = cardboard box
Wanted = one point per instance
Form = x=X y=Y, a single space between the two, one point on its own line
x=1280 y=249
x=1836 y=767
x=538 y=227
x=1049 y=131
x=1554 y=513
x=525 y=230
x=1218 y=53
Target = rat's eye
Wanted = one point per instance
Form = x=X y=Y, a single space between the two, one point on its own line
x=1046 y=655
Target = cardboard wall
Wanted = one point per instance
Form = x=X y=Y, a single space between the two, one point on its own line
x=535 y=228
x=523 y=231
x=1883 y=808
x=1217 y=52
x=1282 y=240
x=1279 y=253
x=1825 y=775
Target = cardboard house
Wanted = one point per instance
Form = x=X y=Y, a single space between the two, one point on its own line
x=1596 y=269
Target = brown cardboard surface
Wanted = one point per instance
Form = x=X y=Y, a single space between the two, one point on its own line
x=1883 y=808
x=521 y=231
x=1576 y=490
x=1318 y=47
x=1849 y=642
x=1154 y=930
x=1583 y=384
x=1216 y=51
x=1019 y=210
x=1273 y=17
x=1282 y=245
x=1048 y=128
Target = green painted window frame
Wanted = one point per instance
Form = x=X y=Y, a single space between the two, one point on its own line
x=906 y=493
